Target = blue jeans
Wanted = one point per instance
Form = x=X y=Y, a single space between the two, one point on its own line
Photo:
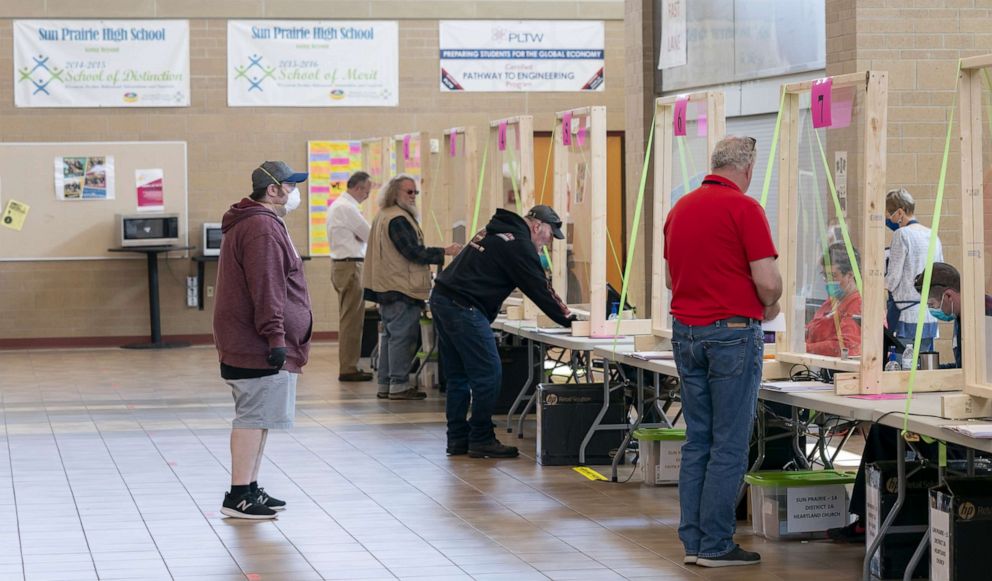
x=401 y=329
x=472 y=369
x=720 y=368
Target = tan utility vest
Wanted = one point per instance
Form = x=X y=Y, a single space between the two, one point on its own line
x=388 y=270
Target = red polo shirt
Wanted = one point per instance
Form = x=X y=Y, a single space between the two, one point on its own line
x=711 y=237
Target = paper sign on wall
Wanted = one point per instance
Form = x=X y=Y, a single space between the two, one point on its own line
x=672 y=44
x=820 y=93
x=330 y=164
x=149 y=186
x=84 y=178
x=14 y=215
x=679 y=121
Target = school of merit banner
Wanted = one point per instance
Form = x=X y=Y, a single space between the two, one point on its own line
x=312 y=63
x=101 y=63
x=525 y=55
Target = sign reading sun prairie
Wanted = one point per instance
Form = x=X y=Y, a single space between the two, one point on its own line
x=312 y=63
x=524 y=55
x=101 y=63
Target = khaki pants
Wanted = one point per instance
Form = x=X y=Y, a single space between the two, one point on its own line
x=347 y=280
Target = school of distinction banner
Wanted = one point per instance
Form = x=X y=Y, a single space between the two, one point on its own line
x=101 y=63
x=312 y=63
x=526 y=55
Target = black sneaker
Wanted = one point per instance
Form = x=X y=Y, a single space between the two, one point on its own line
x=493 y=449
x=734 y=558
x=457 y=447
x=357 y=376
x=246 y=506
x=852 y=533
x=269 y=501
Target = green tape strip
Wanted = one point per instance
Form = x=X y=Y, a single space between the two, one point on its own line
x=771 y=152
x=547 y=165
x=942 y=454
x=478 y=193
x=685 y=170
x=931 y=251
x=840 y=214
x=513 y=179
x=638 y=208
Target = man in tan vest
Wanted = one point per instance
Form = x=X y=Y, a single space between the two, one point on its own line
x=397 y=277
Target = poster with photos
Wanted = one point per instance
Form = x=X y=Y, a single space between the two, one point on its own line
x=84 y=178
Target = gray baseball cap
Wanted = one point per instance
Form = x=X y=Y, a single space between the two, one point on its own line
x=275 y=172
x=547 y=215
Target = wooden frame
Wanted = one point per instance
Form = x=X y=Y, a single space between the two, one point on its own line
x=379 y=161
x=593 y=119
x=418 y=165
x=862 y=375
x=664 y=172
x=977 y=399
x=467 y=158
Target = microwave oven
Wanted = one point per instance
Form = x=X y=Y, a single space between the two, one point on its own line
x=148 y=229
x=212 y=237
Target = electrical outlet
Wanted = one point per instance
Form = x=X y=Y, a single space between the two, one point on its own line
x=191 y=298
x=210 y=291
x=435 y=146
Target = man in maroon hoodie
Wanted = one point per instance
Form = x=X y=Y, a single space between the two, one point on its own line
x=262 y=328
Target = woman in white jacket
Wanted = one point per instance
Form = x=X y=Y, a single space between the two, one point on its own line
x=907 y=257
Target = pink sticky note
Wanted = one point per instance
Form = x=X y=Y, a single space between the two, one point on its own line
x=501 y=136
x=842 y=107
x=452 y=143
x=406 y=147
x=681 y=104
x=819 y=103
x=581 y=136
x=566 y=128
x=701 y=129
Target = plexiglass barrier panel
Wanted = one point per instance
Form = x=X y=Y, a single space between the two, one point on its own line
x=458 y=183
x=578 y=182
x=829 y=219
x=374 y=163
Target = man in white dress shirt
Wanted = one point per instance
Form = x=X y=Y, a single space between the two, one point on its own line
x=348 y=233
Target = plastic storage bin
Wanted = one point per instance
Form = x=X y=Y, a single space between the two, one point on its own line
x=661 y=454
x=798 y=505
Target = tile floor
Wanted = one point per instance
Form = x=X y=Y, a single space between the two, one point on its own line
x=113 y=464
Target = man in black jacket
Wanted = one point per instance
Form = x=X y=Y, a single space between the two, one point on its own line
x=466 y=298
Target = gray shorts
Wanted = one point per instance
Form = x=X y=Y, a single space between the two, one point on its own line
x=264 y=402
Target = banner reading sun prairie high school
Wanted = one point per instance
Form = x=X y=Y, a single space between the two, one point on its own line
x=312 y=63
x=525 y=55
x=101 y=63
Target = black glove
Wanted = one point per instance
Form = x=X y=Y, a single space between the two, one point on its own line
x=277 y=357
x=572 y=319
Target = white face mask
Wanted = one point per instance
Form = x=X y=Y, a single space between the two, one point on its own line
x=294 y=200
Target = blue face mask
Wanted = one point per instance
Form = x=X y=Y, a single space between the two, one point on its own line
x=940 y=315
x=545 y=262
x=892 y=225
x=834 y=290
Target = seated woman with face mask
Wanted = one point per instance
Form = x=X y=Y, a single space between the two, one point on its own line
x=834 y=328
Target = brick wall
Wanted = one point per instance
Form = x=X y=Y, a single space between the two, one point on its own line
x=109 y=298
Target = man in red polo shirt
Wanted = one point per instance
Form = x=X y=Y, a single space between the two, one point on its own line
x=721 y=268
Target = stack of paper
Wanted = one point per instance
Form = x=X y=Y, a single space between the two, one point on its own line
x=983 y=431
x=794 y=386
x=554 y=330
x=653 y=355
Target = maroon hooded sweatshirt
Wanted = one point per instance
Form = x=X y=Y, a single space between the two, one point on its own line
x=262 y=299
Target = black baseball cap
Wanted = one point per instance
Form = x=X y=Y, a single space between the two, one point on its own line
x=275 y=173
x=548 y=216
